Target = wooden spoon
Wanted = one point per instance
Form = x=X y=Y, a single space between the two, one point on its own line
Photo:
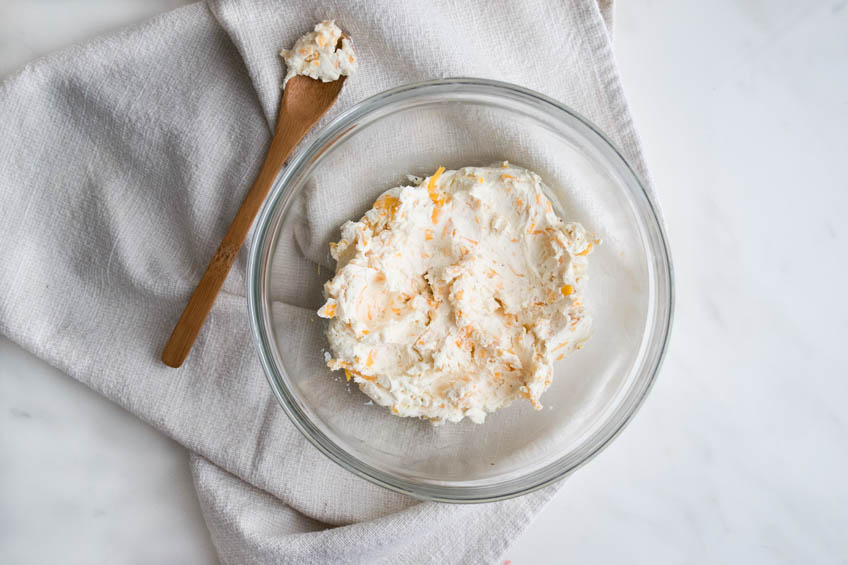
x=305 y=100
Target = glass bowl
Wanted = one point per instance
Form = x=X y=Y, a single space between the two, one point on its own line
x=414 y=129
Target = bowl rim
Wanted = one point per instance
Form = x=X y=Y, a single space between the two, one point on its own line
x=280 y=194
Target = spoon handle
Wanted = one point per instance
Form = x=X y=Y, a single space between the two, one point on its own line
x=288 y=133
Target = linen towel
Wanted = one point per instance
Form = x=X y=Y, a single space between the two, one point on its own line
x=122 y=162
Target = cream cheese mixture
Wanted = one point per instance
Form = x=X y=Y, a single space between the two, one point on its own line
x=315 y=54
x=454 y=297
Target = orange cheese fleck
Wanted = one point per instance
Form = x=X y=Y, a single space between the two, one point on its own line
x=514 y=272
x=431 y=185
x=587 y=250
x=388 y=204
x=566 y=289
x=428 y=235
x=370 y=359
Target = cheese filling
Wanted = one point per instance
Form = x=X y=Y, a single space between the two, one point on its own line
x=315 y=54
x=454 y=297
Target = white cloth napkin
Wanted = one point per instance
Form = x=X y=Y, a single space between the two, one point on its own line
x=122 y=162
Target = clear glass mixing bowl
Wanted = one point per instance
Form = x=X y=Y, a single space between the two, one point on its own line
x=454 y=123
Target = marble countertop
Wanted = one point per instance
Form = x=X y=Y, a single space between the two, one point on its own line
x=739 y=454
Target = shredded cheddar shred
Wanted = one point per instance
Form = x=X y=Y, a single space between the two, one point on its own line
x=587 y=250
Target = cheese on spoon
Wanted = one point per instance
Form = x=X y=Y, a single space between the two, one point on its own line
x=315 y=54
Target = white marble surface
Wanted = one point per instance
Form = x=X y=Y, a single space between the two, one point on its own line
x=739 y=455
